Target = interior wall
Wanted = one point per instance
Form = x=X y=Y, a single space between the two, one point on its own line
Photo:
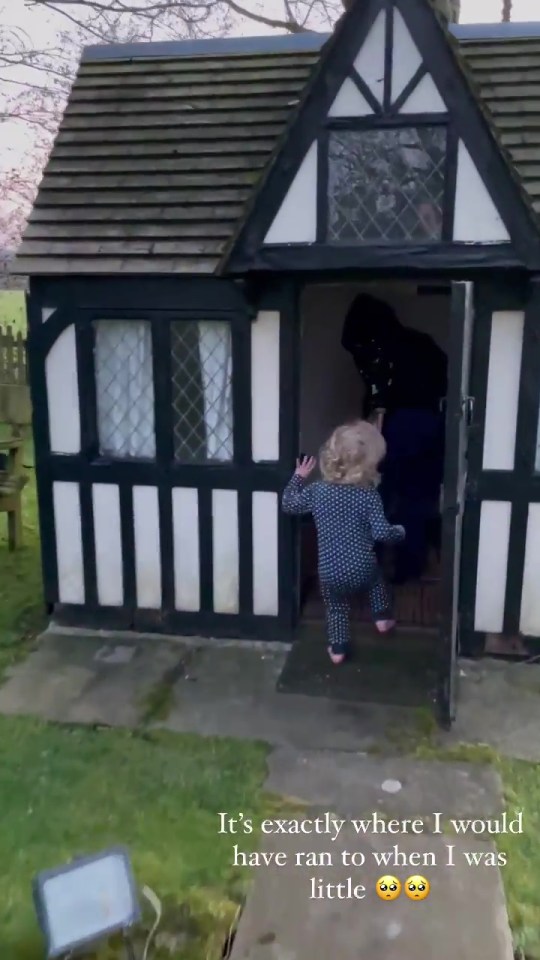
x=331 y=390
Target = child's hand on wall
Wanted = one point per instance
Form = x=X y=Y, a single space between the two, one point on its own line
x=304 y=467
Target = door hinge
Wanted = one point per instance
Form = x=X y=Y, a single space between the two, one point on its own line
x=468 y=408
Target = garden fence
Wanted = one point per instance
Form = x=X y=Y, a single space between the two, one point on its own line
x=12 y=357
x=15 y=408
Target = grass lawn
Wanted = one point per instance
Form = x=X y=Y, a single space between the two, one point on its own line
x=67 y=791
x=21 y=598
x=522 y=792
x=13 y=309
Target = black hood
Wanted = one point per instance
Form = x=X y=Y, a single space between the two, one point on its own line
x=369 y=318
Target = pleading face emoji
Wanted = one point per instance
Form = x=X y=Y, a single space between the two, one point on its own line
x=417 y=888
x=388 y=888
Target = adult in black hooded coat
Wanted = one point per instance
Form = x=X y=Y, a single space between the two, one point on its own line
x=405 y=373
x=402 y=368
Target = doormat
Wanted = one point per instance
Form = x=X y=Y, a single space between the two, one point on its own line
x=398 y=670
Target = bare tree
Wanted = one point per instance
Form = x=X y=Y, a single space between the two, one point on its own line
x=35 y=81
x=194 y=17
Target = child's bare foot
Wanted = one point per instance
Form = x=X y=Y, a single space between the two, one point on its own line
x=336 y=658
x=384 y=626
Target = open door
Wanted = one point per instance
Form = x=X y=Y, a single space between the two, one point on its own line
x=459 y=407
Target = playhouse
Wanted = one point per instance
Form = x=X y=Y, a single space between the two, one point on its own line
x=208 y=213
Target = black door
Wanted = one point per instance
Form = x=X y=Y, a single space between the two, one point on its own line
x=458 y=414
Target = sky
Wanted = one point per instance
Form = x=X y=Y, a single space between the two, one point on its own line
x=43 y=26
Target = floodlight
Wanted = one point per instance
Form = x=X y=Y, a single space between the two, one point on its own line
x=85 y=901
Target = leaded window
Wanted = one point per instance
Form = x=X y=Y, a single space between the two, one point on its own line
x=386 y=185
x=201 y=360
x=125 y=388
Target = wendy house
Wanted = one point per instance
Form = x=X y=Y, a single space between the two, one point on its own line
x=230 y=238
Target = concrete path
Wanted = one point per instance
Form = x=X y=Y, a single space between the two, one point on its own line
x=229 y=689
x=394 y=786
x=331 y=756
x=464 y=917
x=78 y=680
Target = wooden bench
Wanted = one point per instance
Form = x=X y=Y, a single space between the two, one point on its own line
x=12 y=482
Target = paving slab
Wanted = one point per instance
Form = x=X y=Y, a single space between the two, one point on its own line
x=87 y=680
x=232 y=692
x=464 y=916
x=394 y=786
x=499 y=705
x=229 y=688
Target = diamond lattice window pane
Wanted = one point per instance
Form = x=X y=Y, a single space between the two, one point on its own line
x=386 y=185
x=202 y=391
x=125 y=388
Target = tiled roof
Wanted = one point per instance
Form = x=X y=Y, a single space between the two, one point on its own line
x=507 y=74
x=160 y=147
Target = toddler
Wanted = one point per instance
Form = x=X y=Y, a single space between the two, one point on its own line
x=349 y=518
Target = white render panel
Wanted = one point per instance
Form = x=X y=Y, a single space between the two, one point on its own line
x=63 y=394
x=529 y=623
x=296 y=219
x=226 y=545
x=69 y=552
x=147 y=547
x=265 y=553
x=187 y=587
x=350 y=102
x=492 y=565
x=265 y=386
x=108 y=544
x=425 y=98
x=476 y=218
x=406 y=58
x=505 y=349
x=369 y=63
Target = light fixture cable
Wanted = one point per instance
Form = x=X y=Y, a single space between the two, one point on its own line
x=155 y=903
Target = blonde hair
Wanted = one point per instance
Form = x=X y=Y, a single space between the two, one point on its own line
x=352 y=455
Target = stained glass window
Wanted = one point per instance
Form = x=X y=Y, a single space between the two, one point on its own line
x=386 y=185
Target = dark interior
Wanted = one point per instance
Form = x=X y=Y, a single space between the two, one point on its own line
x=332 y=393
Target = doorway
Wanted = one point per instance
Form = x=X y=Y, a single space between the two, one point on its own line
x=332 y=392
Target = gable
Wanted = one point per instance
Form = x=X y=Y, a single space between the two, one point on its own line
x=389 y=147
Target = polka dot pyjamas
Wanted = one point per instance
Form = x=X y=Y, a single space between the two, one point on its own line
x=349 y=521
